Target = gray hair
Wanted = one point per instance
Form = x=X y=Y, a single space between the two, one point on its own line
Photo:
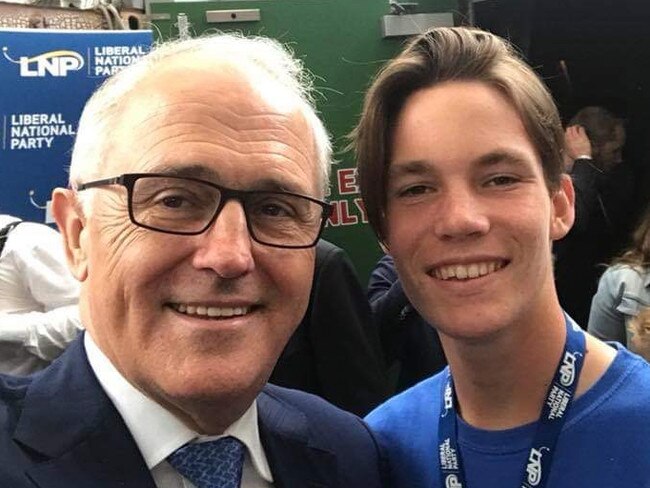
x=255 y=56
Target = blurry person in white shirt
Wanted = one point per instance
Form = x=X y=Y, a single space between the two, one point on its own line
x=38 y=297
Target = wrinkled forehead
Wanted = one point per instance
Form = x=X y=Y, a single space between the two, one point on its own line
x=195 y=78
x=214 y=113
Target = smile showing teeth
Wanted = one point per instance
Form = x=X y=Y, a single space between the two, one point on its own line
x=205 y=311
x=467 y=271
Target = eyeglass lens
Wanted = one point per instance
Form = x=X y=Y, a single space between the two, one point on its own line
x=187 y=206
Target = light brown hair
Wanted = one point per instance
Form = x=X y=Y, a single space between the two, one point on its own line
x=639 y=327
x=442 y=55
x=638 y=254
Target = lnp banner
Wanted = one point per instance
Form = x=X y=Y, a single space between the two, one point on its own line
x=47 y=77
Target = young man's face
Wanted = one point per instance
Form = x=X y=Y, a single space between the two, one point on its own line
x=469 y=217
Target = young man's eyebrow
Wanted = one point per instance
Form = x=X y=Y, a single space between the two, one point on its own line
x=415 y=167
x=501 y=157
x=421 y=166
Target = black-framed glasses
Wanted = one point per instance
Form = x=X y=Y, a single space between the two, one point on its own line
x=188 y=206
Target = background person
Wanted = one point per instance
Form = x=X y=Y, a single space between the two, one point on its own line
x=605 y=207
x=411 y=346
x=195 y=201
x=335 y=351
x=460 y=167
x=623 y=290
x=38 y=297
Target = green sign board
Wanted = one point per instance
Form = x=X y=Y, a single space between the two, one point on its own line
x=343 y=45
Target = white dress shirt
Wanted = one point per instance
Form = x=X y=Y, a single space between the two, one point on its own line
x=38 y=298
x=158 y=433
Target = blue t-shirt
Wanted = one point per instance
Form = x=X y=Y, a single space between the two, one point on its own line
x=605 y=441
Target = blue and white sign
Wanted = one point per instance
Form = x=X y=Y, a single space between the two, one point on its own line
x=47 y=76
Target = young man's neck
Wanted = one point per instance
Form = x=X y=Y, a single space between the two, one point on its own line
x=502 y=384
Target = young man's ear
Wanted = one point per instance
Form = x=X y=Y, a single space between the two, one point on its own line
x=563 y=211
x=71 y=222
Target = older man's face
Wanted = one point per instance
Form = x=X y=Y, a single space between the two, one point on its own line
x=148 y=292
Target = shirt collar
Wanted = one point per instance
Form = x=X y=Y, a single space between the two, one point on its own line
x=156 y=431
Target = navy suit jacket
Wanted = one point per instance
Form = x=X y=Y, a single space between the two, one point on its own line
x=58 y=429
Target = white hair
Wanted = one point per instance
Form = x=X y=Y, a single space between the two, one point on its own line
x=254 y=56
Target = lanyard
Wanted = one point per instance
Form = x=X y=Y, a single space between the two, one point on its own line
x=549 y=425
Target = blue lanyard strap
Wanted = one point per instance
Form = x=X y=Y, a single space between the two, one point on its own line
x=554 y=411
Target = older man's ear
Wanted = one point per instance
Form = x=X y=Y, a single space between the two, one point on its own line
x=71 y=222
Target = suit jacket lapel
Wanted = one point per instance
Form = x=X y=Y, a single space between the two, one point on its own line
x=294 y=459
x=72 y=425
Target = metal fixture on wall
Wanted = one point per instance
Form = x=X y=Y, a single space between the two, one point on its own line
x=402 y=8
x=411 y=24
x=183 y=25
x=227 y=16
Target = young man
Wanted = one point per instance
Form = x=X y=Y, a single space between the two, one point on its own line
x=194 y=205
x=460 y=161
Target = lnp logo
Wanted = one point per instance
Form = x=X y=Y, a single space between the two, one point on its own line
x=449 y=400
x=568 y=368
x=451 y=481
x=534 y=466
x=54 y=63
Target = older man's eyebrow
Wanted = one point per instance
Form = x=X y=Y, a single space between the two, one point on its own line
x=203 y=172
x=273 y=184
x=196 y=170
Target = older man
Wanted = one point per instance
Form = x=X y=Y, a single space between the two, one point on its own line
x=195 y=201
x=460 y=164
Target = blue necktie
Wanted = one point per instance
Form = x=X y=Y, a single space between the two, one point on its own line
x=214 y=464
